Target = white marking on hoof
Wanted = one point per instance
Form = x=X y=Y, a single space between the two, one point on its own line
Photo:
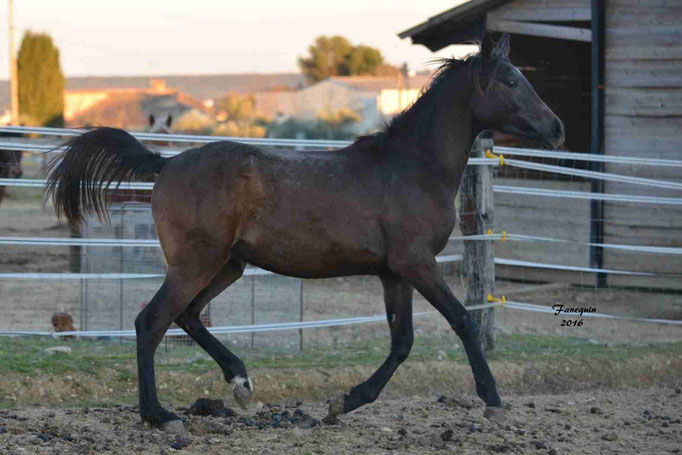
x=241 y=394
x=174 y=427
x=495 y=414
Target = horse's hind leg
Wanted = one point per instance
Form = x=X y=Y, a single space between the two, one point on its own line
x=232 y=366
x=398 y=300
x=185 y=278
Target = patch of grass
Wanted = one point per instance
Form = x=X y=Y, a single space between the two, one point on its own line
x=29 y=195
x=529 y=347
x=28 y=355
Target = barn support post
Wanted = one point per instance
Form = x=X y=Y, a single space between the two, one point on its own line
x=597 y=144
x=476 y=218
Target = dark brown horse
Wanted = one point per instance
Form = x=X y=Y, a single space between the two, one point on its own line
x=383 y=206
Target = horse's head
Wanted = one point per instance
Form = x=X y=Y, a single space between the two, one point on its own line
x=160 y=126
x=505 y=101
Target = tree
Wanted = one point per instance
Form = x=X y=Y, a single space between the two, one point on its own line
x=341 y=118
x=195 y=121
x=336 y=56
x=239 y=117
x=236 y=107
x=41 y=81
x=365 y=60
x=327 y=125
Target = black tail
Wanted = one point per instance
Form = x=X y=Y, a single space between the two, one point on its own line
x=82 y=174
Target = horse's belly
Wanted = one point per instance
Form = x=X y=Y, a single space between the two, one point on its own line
x=306 y=255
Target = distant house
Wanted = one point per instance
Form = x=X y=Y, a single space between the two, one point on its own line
x=6 y=117
x=203 y=87
x=127 y=108
x=374 y=98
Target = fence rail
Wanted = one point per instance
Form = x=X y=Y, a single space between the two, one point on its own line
x=308 y=143
x=478 y=245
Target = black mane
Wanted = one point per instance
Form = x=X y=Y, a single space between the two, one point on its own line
x=447 y=66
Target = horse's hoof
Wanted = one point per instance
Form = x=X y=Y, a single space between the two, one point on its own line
x=336 y=406
x=174 y=427
x=242 y=394
x=494 y=414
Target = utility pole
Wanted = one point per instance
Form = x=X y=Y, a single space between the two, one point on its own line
x=14 y=73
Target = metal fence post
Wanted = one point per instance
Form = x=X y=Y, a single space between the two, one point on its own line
x=253 y=308
x=300 y=303
x=120 y=270
x=476 y=218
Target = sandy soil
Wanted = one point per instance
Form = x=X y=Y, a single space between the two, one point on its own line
x=631 y=421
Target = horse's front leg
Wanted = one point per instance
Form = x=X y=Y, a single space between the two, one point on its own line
x=426 y=278
x=398 y=300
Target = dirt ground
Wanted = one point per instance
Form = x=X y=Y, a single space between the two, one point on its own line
x=611 y=422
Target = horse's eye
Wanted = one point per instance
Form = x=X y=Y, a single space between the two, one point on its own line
x=511 y=82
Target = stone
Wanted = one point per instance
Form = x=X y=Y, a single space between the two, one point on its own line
x=208 y=407
x=539 y=444
x=174 y=427
x=55 y=349
x=180 y=442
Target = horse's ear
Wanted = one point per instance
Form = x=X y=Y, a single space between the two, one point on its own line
x=169 y=121
x=502 y=47
x=487 y=46
x=152 y=120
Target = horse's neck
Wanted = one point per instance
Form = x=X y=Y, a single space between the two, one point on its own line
x=438 y=130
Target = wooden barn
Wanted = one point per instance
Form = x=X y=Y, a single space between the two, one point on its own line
x=612 y=70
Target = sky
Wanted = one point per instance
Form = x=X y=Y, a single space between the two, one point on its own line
x=128 y=37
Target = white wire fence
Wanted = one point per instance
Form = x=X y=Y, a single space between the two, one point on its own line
x=102 y=276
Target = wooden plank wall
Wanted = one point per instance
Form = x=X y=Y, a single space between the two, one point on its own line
x=644 y=119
